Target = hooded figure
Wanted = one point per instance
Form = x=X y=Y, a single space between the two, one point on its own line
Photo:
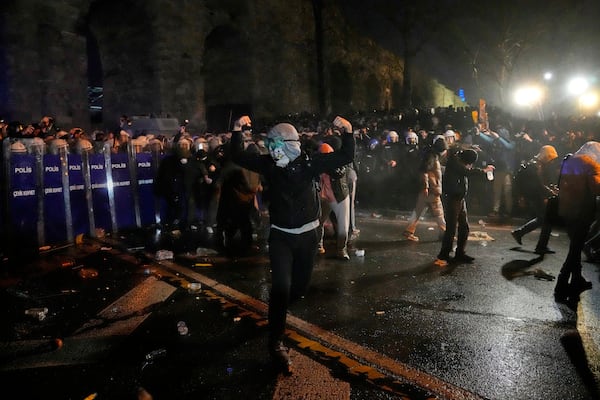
x=283 y=143
x=294 y=212
x=455 y=184
x=439 y=145
x=468 y=156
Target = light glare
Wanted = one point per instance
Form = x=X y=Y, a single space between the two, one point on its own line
x=588 y=100
x=577 y=86
x=528 y=96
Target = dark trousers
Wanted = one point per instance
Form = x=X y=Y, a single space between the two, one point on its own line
x=539 y=220
x=455 y=210
x=571 y=268
x=292 y=259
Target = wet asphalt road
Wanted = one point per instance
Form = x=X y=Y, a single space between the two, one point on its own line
x=490 y=329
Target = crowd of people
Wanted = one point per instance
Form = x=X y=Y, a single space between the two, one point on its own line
x=398 y=165
x=308 y=174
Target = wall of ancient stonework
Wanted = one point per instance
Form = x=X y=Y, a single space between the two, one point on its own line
x=206 y=61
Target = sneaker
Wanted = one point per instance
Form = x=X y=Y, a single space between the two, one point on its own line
x=343 y=255
x=281 y=357
x=209 y=230
x=440 y=262
x=463 y=258
x=321 y=250
x=516 y=236
x=411 y=237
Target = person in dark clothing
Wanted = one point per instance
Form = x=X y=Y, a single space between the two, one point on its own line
x=294 y=212
x=579 y=190
x=174 y=185
x=542 y=184
x=455 y=184
x=236 y=209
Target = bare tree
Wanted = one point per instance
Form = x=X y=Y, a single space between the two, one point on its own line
x=505 y=42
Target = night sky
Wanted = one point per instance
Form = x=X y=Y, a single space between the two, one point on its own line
x=473 y=40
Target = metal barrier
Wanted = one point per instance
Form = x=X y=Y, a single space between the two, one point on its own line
x=52 y=198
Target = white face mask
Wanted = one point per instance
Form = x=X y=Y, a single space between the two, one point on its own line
x=276 y=150
x=282 y=162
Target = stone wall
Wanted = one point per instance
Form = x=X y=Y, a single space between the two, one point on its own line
x=206 y=61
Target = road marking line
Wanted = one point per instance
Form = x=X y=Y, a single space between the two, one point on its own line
x=362 y=360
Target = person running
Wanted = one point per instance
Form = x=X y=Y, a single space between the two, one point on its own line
x=294 y=211
x=541 y=185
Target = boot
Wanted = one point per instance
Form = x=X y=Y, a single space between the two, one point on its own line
x=561 y=290
x=517 y=235
x=280 y=356
x=579 y=285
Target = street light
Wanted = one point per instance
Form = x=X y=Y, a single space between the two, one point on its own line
x=588 y=100
x=577 y=86
x=530 y=96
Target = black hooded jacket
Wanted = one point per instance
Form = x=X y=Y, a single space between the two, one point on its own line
x=294 y=200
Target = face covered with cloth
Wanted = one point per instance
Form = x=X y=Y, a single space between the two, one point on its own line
x=283 y=143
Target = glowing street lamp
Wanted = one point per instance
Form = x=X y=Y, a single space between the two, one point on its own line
x=577 y=86
x=588 y=100
x=530 y=96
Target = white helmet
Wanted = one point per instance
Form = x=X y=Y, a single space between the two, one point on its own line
x=392 y=137
x=450 y=136
x=83 y=146
x=139 y=144
x=36 y=146
x=411 y=138
x=450 y=133
x=56 y=145
x=155 y=145
x=18 y=148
